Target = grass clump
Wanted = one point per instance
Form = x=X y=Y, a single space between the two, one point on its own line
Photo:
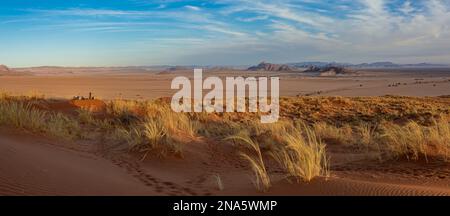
x=62 y=126
x=332 y=134
x=415 y=141
x=294 y=146
x=24 y=116
x=255 y=158
x=439 y=136
x=303 y=155
x=408 y=140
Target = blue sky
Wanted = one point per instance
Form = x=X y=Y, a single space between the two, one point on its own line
x=221 y=32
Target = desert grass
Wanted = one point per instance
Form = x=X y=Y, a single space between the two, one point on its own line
x=151 y=127
x=134 y=111
x=147 y=137
x=374 y=110
x=219 y=182
x=408 y=140
x=293 y=145
x=439 y=136
x=389 y=140
x=391 y=127
x=364 y=123
x=62 y=126
x=303 y=156
x=24 y=116
x=85 y=116
x=367 y=137
x=414 y=141
x=255 y=158
x=333 y=134
x=120 y=107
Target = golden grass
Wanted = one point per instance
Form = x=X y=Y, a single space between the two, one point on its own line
x=62 y=126
x=85 y=116
x=338 y=111
x=151 y=126
x=20 y=115
x=120 y=107
x=23 y=116
x=439 y=136
x=408 y=140
x=390 y=140
x=293 y=145
x=333 y=134
x=392 y=127
x=154 y=132
x=255 y=158
x=303 y=156
x=414 y=141
x=366 y=136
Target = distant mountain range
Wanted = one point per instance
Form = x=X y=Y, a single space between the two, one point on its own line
x=317 y=66
x=363 y=65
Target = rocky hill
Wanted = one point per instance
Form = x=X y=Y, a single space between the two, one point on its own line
x=329 y=70
x=263 y=66
x=4 y=69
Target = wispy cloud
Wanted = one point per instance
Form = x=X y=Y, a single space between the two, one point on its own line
x=221 y=30
x=248 y=30
x=252 y=19
x=87 y=12
x=194 y=8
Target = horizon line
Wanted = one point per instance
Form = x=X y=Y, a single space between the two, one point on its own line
x=216 y=65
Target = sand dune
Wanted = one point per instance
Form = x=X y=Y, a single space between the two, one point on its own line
x=38 y=166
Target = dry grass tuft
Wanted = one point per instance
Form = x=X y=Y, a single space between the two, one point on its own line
x=294 y=146
x=414 y=141
x=334 y=135
x=439 y=137
x=408 y=140
x=366 y=136
x=24 y=116
x=303 y=156
x=219 y=182
x=255 y=158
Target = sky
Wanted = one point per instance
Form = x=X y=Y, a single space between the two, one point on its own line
x=221 y=32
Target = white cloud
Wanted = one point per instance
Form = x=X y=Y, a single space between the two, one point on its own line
x=88 y=12
x=220 y=30
x=253 y=19
x=194 y=8
x=161 y=6
x=407 y=8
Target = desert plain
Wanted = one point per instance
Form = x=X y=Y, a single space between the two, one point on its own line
x=375 y=132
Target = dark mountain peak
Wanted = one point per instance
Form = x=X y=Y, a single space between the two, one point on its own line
x=264 y=66
x=329 y=70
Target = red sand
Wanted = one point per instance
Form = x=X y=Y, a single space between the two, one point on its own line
x=31 y=165
x=91 y=105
